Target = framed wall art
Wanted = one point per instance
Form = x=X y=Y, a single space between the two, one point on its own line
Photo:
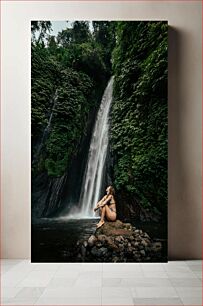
x=99 y=136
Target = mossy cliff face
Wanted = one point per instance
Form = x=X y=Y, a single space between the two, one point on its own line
x=139 y=117
x=118 y=242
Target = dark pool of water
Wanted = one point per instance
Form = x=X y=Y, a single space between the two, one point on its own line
x=54 y=240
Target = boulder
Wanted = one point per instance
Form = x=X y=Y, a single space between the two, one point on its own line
x=91 y=241
x=118 y=242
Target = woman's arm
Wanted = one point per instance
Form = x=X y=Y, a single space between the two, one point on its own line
x=103 y=201
x=107 y=200
x=98 y=203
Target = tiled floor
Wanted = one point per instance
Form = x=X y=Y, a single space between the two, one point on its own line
x=172 y=283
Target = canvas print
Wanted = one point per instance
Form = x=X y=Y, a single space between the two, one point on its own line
x=99 y=136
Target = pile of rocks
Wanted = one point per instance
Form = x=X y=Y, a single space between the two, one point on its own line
x=118 y=242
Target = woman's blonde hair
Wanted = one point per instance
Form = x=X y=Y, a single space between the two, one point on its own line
x=112 y=190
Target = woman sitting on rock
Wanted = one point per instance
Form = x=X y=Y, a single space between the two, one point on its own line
x=107 y=206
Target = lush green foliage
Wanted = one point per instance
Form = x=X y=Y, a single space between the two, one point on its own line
x=69 y=73
x=69 y=118
x=139 y=112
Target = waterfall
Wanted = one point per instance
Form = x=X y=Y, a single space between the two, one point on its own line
x=94 y=171
x=47 y=128
x=53 y=197
x=92 y=180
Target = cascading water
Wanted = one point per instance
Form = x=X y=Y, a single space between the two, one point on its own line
x=92 y=179
x=93 y=175
x=47 y=129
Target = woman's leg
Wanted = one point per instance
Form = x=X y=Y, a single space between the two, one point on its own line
x=102 y=212
x=110 y=215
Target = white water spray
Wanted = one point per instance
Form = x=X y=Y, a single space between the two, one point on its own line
x=92 y=179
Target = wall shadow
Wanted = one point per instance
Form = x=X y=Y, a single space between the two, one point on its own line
x=182 y=211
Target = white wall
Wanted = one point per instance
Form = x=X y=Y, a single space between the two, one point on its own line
x=184 y=110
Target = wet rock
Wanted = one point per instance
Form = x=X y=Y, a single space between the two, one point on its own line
x=144 y=243
x=116 y=228
x=121 y=247
x=118 y=242
x=146 y=235
x=119 y=239
x=99 y=244
x=99 y=252
x=130 y=249
x=101 y=237
x=83 y=250
x=94 y=251
x=111 y=243
x=157 y=246
x=92 y=239
x=85 y=243
x=115 y=259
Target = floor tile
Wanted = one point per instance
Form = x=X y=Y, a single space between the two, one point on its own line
x=32 y=292
x=178 y=274
x=155 y=274
x=198 y=274
x=176 y=268
x=172 y=283
x=197 y=268
x=45 y=267
x=152 y=267
x=5 y=268
x=66 y=273
x=21 y=301
x=122 y=274
x=193 y=262
x=112 y=282
x=68 y=267
x=185 y=282
x=122 y=267
x=13 y=278
x=90 y=274
x=4 y=301
x=91 y=267
x=37 y=279
x=192 y=301
x=116 y=292
x=11 y=261
x=151 y=292
x=72 y=292
x=61 y=282
x=189 y=291
x=9 y=292
x=69 y=301
x=146 y=282
x=117 y=301
x=89 y=282
x=157 y=301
